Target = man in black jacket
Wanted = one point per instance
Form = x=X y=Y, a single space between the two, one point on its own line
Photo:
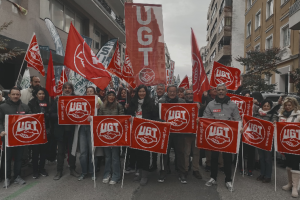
x=13 y=106
x=177 y=138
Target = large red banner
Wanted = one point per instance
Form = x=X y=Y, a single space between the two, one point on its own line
x=114 y=66
x=182 y=116
x=244 y=104
x=218 y=135
x=258 y=133
x=145 y=42
x=25 y=130
x=150 y=135
x=76 y=109
x=287 y=137
x=62 y=80
x=111 y=130
x=228 y=75
x=185 y=83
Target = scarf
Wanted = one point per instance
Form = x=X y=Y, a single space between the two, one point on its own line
x=262 y=112
x=223 y=100
x=287 y=113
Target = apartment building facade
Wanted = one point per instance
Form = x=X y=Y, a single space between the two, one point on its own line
x=267 y=25
x=224 y=33
x=98 y=20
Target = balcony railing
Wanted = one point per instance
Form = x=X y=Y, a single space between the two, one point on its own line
x=294 y=8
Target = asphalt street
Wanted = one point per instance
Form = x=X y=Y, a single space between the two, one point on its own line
x=69 y=188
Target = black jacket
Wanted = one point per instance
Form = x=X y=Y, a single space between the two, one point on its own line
x=34 y=106
x=149 y=110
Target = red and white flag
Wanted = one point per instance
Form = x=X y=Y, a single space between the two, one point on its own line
x=185 y=83
x=111 y=130
x=75 y=110
x=244 y=104
x=150 y=135
x=128 y=74
x=50 y=82
x=145 y=42
x=33 y=56
x=200 y=81
x=258 y=133
x=81 y=59
x=182 y=116
x=114 y=66
x=218 y=135
x=230 y=76
x=287 y=137
x=62 y=80
x=25 y=130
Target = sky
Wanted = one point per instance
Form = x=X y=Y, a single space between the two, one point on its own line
x=178 y=18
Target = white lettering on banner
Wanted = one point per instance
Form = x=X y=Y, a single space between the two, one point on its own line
x=218 y=131
x=147 y=131
x=163 y=138
x=126 y=129
x=291 y=134
x=176 y=114
x=221 y=73
x=269 y=132
x=62 y=110
x=145 y=50
x=25 y=126
x=107 y=127
x=254 y=128
x=77 y=106
x=138 y=13
x=201 y=132
x=148 y=37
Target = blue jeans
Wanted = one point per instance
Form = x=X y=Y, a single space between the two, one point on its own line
x=112 y=163
x=265 y=158
x=85 y=142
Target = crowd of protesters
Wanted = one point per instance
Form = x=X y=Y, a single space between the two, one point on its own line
x=141 y=104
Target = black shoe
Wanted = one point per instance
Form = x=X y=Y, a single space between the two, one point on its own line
x=182 y=178
x=162 y=176
x=74 y=173
x=57 y=176
x=43 y=172
x=35 y=175
x=197 y=174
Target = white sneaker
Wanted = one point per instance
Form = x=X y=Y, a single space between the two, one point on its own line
x=106 y=180
x=112 y=182
x=229 y=186
x=211 y=182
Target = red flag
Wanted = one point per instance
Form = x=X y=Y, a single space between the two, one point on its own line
x=50 y=83
x=222 y=74
x=218 y=135
x=182 y=116
x=185 y=83
x=111 y=130
x=81 y=59
x=258 y=133
x=287 y=137
x=114 y=66
x=200 y=81
x=150 y=135
x=76 y=109
x=145 y=42
x=128 y=74
x=244 y=104
x=62 y=80
x=33 y=56
x=25 y=130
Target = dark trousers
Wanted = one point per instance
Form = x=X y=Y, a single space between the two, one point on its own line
x=132 y=157
x=227 y=157
x=249 y=152
x=38 y=157
x=15 y=153
x=292 y=161
x=144 y=159
x=61 y=145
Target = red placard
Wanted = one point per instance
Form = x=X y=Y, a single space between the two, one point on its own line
x=258 y=133
x=150 y=135
x=76 y=109
x=287 y=137
x=244 y=104
x=182 y=116
x=223 y=74
x=145 y=42
x=218 y=135
x=25 y=130
x=111 y=130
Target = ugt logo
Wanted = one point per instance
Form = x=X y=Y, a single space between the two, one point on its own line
x=254 y=132
x=147 y=135
x=241 y=104
x=78 y=110
x=290 y=137
x=109 y=131
x=219 y=135
x=223 y=75
x=27 y=129
x=178 y=116
x=147 y=75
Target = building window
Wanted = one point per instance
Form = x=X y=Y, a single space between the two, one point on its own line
x=213 y=28
x=249 y=3
x=70 y=17
x=257 y=47
x=285 y=36
x=227 y=21
x=44 y=9
x=58 y=14
x=249 y=29
x=257 y=20
x=214 y=12
x=283 y=1
x=269 y=9
x=221 y=25
x=222 y=7
x=269 y=42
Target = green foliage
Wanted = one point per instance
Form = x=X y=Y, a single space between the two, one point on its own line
x=259 y=64
x=5 y=53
